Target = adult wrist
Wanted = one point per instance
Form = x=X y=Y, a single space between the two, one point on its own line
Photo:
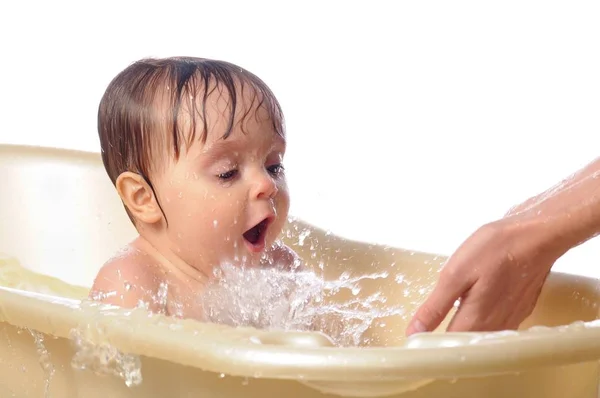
x=570 y=226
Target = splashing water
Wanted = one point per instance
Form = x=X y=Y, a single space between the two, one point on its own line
x=95 y=353
x=45 y=360
x=272 y=298
x=102 y=358
x=303 y=235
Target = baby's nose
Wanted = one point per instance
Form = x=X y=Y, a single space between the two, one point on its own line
x=265 y=187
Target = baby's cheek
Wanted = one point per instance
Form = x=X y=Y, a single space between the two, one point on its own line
x=282 y=201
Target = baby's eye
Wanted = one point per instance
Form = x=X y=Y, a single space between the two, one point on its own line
x=275 y=169
x=228 y=175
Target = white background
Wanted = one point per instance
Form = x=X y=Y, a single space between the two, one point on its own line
x=410 y=123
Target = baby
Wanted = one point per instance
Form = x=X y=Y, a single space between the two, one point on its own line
x=194 y=148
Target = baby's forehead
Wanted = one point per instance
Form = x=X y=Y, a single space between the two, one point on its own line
x=219 y=112
x=215 y=104
x=255 y=141
x=209 y=115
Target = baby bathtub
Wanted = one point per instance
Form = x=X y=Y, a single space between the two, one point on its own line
x=61 y=219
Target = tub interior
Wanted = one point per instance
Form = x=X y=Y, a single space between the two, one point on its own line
x=62 y=203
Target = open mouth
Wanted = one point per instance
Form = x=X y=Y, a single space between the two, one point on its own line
x=256 y=235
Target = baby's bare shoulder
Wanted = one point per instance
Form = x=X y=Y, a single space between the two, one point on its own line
x=125 y=280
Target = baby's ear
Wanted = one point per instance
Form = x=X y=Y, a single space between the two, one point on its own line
x=138 y=197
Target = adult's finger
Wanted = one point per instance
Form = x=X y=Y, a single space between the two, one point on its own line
x=433 y=311
x=470 y=316
x=483 y=310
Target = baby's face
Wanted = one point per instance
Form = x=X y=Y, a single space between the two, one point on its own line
x=226 y=199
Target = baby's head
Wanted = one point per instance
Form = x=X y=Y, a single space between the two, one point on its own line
x=194 y=148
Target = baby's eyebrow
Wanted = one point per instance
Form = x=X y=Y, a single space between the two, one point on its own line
x=233 y=148
x=222 y=145
x=218 y=150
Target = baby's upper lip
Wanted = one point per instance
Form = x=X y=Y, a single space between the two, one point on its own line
x=269 y=216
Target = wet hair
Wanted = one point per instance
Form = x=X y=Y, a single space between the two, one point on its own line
x=136 y=133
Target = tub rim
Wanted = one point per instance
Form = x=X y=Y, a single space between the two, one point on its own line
x=233 y=351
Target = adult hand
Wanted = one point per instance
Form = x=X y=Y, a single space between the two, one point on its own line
x=498 y=272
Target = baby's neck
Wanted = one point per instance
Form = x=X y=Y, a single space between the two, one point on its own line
x=172 y=266
x=184 y=282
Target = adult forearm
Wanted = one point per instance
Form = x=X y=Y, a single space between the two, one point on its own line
x=570 y=211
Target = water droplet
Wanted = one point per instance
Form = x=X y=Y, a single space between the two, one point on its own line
x=215 y=223
x=303 y=235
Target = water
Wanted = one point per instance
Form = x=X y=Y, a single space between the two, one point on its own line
x=45 y=360
x=275 y=299
x=94 y=353
x=303 y=237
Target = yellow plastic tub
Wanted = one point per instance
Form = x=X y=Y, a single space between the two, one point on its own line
x=60 y=219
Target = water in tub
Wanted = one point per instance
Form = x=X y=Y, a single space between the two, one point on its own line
x=266 y=298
